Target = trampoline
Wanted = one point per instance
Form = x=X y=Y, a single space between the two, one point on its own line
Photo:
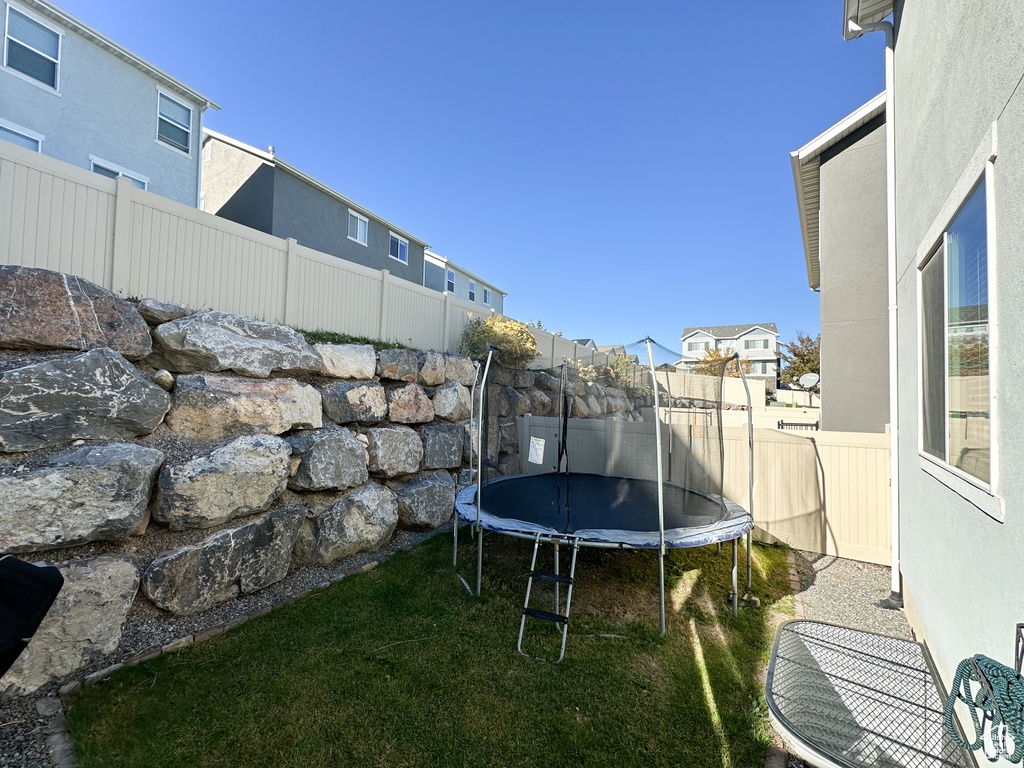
x=609 y=482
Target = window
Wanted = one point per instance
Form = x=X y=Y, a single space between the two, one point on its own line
x=399 y=248
x=357 y=227
x=174 y=123
x=487 y=296
x=112 y=171
x=953 y=289
x=451 y=281
x=23 y=137
x=472 y=291
x=32 y=48
x=755 y=343
x=695 y=346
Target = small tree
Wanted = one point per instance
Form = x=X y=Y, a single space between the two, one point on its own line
x=514 y=345
x=800 y=357
x=713 y=360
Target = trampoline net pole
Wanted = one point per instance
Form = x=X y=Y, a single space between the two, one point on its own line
x=750 y=467
x=481 y=430
x=661 y=489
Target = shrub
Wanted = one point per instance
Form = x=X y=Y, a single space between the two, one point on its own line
x=514 y=346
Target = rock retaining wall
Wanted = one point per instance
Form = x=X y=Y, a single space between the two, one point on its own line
x=229 y=454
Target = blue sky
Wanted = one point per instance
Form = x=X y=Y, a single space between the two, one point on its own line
x=620 y=171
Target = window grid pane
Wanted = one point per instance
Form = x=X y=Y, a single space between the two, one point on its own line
x=30 y=63
x=33 y=34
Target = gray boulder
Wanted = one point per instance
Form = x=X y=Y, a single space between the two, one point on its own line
x=51 y=310
x=228 y=564
x=518 y=403
x=83 y=625
x=241 y=478
x=214 y=406
x=431 y=365
x=362 y=520
x=452 y=402
x=347 y=361
x=394 y=451
x=546 y=381
x=97 y=395
x=221 y=341
x=328 y=459
x=540 y=403
x=426 y=500
x=442 y=445
x=408 y=404
x=522 y=379
x=158 y=312
x=397 y=364
x=460 y=369
x=354 y=402
x=87 y=494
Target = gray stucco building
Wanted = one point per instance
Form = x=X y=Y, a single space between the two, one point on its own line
x=840 y=189
x=442 y=274
x=70 y=92
x=259 y=190
x=757 y=343
x=955 y=156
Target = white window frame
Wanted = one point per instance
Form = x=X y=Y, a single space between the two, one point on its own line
x=401 y=241
x=449 y=280
x=359 y=217
x=191 y=123
x=472 y=290
x=120 y=170
x=21 y=130
x=487 y=296
x=55 y=88
x=985 y=496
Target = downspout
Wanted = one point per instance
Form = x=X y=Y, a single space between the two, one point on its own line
x=895 y=599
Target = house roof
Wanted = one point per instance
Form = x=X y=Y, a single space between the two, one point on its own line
x=65 y=19
x=728 y=331
x=806 y=163
x=863 y=12
x=443 y=261
x=277 y=162
x=585 y=342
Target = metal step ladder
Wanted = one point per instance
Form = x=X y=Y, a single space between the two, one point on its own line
x=556 y=579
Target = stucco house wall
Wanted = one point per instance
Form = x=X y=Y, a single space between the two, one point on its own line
x=435 y=276
x=103 y=107
x=854 y=293
x=958 y=105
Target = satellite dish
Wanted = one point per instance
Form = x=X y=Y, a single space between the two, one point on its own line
x=808 y=380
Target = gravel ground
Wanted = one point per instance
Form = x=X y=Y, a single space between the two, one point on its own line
x=846 y=592
x=32 y=727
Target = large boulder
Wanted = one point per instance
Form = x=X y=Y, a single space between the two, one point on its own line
x=88 y=494
x=328 y=459
x=394 y=451
x=221 y=341
x=540 y=403
x=214 y=406
x=397 y=364
x=362 y=520
x=408 y=404
x=431 y=366
x=230 y=563
x=426 y=500
x=460 y=369
x=452 y=402
x=354 y=402
x=51 y=310
x=546 y=381
x=97 y=395
x=347 y=361
x=523 y=379
x=518 y=403
x=442 y=445
x=83 y=625
x=158 y=312
x=241 y=478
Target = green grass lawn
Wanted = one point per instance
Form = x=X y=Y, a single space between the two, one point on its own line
x=401 y=666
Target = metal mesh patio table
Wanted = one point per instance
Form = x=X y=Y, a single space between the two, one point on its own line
x=849 y=698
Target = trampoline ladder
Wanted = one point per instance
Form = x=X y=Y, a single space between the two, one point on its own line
x=556 y=579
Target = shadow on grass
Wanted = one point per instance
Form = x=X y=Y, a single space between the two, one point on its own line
x=399 y=666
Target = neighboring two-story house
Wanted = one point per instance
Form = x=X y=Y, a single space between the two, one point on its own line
x=260 y=190
x=758 y=343
x=70 y=92
x=840 y=191
x=442 y=274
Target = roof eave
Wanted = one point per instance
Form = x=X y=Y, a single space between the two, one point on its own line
x=862 y=13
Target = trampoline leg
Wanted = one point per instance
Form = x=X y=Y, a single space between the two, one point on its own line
x=749 y=536
x=555 y=585
x=455 y=541
x=661 y=586
x=479 y=558
x=735 y=585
